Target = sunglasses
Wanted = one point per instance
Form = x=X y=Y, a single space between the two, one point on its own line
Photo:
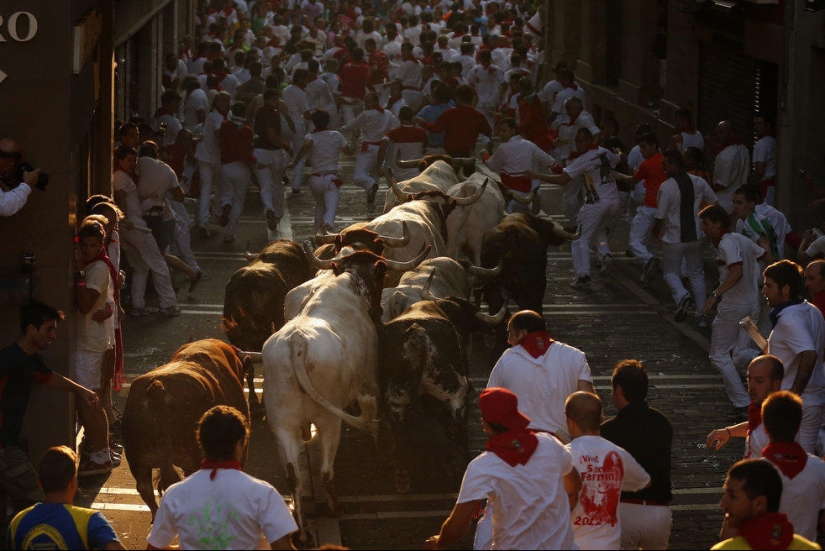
x=15 y=155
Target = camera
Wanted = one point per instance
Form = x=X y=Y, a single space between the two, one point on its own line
x=42 y=180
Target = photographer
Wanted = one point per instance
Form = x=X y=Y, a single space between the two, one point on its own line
x=17 y=177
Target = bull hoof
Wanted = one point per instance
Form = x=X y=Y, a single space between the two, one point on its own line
x=402 y=481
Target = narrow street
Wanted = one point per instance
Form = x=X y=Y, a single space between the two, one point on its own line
x=611 y=320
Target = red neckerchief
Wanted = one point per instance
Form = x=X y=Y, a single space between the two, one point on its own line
x=427 y=60
x=229 y=11
x=103 y=257
x=790 y=457
x=490 y=68
x=721 y=235
x=215 y=465
x=131 y=175
x=271 y=43
x=576 y=154
x=221 y=75
x=767 y=531
x=536 y=343
x=754 y=417
x=515 y=446
x=162 y=111
x=734 y=140
x=412 y=58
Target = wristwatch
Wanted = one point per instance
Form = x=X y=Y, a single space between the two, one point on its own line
x=714 y=295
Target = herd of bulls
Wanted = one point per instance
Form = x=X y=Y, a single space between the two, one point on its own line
x=371 y=328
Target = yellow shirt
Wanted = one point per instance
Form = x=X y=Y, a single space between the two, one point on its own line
x=740 y=543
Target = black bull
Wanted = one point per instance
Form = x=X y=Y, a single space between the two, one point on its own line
x=520 y=243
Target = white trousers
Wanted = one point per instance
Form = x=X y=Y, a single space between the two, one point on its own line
x=571 y=201
x=673 y=256
x=809 y=428
x=593 y=219
x=144 y=256
x=640 y=232
x=728 y=344
x=349 y=112
x=210 y=177
x=236 y=180
x=645 y=526
x=365 y=167
x=327 y=195
x=270 y=174
x=181 y=242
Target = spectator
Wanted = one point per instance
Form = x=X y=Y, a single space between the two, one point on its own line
x=20 y=367
x=220 y=506
x=764 y=158
x=525 y=477
x=815 y=284
x=765 y=375
x=736 y=297
x=687 y=136
x=208 y=155
x=732 y=165
x=606 y=470
x=647 y=435
x=753 y=490
x=798 y=340
x=13 y=192
x=56 y=523
x=166 y=116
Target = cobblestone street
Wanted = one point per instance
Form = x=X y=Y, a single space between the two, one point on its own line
x=612 y=319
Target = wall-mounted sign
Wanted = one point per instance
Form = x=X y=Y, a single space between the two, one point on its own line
x=21 y=26
x=86 y=35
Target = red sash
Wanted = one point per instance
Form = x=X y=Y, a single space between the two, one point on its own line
x=518 y=183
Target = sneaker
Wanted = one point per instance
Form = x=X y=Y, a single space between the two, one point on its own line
x=229 y=238
x=272 y=221
x=371 y=193
x=204 y=233
x=702 y=321
x=607 y=263
x=116 y=448
x=138 y=312
x=169 y=312
x=92 y=468
x=647 y=271
x=681 y=311
x=580 y=281
x=297 y=192
x=193 y=282
x=223 y=221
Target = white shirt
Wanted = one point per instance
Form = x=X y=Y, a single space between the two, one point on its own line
x=91 y=335
x=131 y=203
x=800 y=328
x=692 y=140
x=373 y=124
x=295 y=99
x=530 y=505
x=803 y=496
x=635 y=158
x=318 y=95
x=232 y=511
x=195 y=101
x=735 y=248
x=467 y=63
x=409 y=73
x=156 y=178
x=597 y=183
x=548 y=93
x=13 y=200
x=669 y=201
x=568 y=130
x=764 y=151
x=517 y=156
x=781 y=226
x=756 y=441
x=606 y=470
x=731 y=171
x=173 y=126
x=486 y=81
x=324 y=153
x=566 y=93
x=229 y=84
x=208 y=149
x=542 y=384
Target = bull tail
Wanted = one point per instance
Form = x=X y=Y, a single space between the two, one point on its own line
x=158 y=398
x=366 y=422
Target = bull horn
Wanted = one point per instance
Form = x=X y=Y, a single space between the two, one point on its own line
x=397 y=266
x=397 y=191
x=402 y=241
x=322 y=237
x=558 y=230
x=464 y=201
x=493 y=320
x=486 y=272
x=521 y=199
x=425 y=291
x=250 y=256
x=408 y=163
x=316 y=262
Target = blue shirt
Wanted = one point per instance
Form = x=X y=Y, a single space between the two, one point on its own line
x=431 y=112
x=59 y=526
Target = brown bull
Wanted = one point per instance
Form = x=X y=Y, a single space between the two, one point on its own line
x=165 y=405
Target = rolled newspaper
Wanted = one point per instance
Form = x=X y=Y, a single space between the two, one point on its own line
x=753 y=332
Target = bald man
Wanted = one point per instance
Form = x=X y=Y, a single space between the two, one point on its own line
x=815 y=284
x=13 y=192
x=732 y=166
x=606 y=470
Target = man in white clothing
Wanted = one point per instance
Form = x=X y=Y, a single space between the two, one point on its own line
x=732 y=166
x=295 y=98
x=569 y=89
x=409 y=73
x=606 y=470
x=798 y=340
x=374 y=122
x=528 y=479
x=541 y=372
x=764 y=158
x=219 y=506
x=208 y=155
x=487 y=80
x=686 y=135
x=196 y=104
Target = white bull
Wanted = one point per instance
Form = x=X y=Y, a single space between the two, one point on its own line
x=322 y=361
x=466 y=224
x=440 y=175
